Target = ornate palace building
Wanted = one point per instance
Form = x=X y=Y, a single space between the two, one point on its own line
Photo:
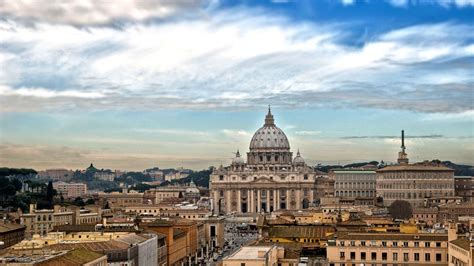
x=416 y=183
x=270 y=180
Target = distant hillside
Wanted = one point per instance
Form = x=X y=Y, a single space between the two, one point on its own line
x=200 y=178
x=5 y=171
x=327 y=168
x=460 y=169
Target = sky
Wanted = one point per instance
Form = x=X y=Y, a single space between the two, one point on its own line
x=138 y=84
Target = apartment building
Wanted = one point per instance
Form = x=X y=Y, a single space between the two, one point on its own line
x=361 y=248
x=70 y=190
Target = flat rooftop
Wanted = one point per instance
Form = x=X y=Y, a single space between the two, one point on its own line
x=248 y=253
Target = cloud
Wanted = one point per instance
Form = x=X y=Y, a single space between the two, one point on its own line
x=443 y=3
x=434 y=136
x=462 y=116
x=236 y=133
x=91 y=12
x=45 y=93
x=235 y=59
x=307 y=133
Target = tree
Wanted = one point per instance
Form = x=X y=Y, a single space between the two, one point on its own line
x=50 y=192
x=400 y=209
x=90 y=201
x=79 y=202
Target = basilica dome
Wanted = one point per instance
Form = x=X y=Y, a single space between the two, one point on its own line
x=298 y=159
x=269 y=136
x=237 y=159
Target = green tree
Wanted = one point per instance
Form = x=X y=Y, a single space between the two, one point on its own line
x=400 y=209
x=50 y=192
x=90 y=201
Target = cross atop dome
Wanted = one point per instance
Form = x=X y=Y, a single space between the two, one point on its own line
x=269 y=121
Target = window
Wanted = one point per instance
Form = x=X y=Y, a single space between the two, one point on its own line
x=353 y=243
x=405 y=256
x=427 y=256
x=342 y=243
x=438 y=256
x=374 y=256
x=395 y=256
x=384 y=244
x=417 y=244
x=438 y=244
x=417 y=256
x=242 y=264
x=353 y=255
x=362 y=243
x=342 y=255
x=221 y=177
x=427 y=244
x=384 y=255
x=362 y=256
x=305 y=177
x=405 y=244
x=395 y=244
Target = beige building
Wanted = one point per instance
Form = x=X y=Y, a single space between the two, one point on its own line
x=360 y=248
x=121 y=199
x=270 y=180
x=355 y=183
x=159 y=194
x=415 y=183
x=259 y=256
x=43 y=221
x=461 y=252
x=56 y=174
x=70 y=190
x=464 y=187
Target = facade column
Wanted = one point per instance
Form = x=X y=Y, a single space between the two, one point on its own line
x=298 y=199
x=276 y=199
x=287 y=199
x=239 y=201
x=259 y=201
x=228 y=201
x=250 y=201
x=268 y=200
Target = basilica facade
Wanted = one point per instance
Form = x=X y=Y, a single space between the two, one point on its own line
x=271 y=179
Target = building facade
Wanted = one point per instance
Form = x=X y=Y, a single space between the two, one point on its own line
x=464 y=187
x=355 y=183
x=415 y=183
x=70 y=190
x=360 y=248
x=270 y=179
x=10 y=234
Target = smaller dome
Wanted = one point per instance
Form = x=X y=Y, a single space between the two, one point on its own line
x=238 y=159
x=298 y=159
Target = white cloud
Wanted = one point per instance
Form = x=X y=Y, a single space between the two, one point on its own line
x=45 y=93
x=462 y=116
x=235 y=59
x=347 y=2
x=91 y=12
x=307 y=132
x=236 y=133
x=443 y=3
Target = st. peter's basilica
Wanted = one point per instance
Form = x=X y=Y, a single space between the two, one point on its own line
x=270 y=180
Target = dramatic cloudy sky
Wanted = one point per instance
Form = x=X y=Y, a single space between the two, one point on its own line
x=136 y=84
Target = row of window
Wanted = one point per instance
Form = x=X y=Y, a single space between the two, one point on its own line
x=373 y=243
x=244 y=178
x=394 y=257
x=405 y=185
